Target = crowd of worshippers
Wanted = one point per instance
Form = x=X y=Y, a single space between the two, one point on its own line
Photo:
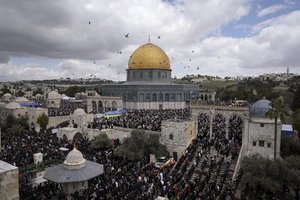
x=219 y=127
x=19 y=149
x=203 y=172
x=66 y=108
x=236 y=103
x=141 y=119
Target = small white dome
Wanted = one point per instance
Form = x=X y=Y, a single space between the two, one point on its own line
x=79 y=111
x=21 y=99
x=74 y=160
x=13 y=105
x=7 y=95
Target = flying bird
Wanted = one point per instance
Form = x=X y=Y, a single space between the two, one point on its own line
x=192 y=51
x=190 y=59
x=127 y=35
x=158 y=37
x=94 y=62
x=90 y=23
x=109 y=65
x=119 y=52
x=197 y=68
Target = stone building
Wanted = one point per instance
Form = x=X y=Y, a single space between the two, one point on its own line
x=177 y=136
x=256 y=131
x=53 y=99
x=261 y=131
x=9 y=181
x=98 y=104
x=17 y=110
x=73 y=174
x=80 y=118
x=149 y=84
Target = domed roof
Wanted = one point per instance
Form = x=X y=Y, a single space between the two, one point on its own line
x=13 y=105
x=149 y=56
x=260 y=108
x=54 y=95
x=21 y=99
x=74 y=160
x=7 y=95
x=79 y=111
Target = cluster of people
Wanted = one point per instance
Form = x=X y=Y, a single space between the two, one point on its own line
x=236 y=103
x=219 y=127
x=19 y=149
x=203 y=172
x=142 y=119
x=66 y=108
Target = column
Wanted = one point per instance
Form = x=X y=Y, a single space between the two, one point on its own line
x=226 y=128
x=210 y=126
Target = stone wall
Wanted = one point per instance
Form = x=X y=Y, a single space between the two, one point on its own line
x=177 y=135
x=9 y=181
x=155 y=105
x=54 y=121
x=261 y=137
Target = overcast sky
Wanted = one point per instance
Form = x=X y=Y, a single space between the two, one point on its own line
x=46 y=39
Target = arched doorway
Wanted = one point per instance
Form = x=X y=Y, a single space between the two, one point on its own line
x=235 y=129
x=107 y=106
x=219 y=127
x=100 y=107
x=114 y=105
x=203 y=125
x=78 y=137
x=94 y=104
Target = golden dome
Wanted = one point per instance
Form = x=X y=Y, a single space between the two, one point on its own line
x=149 y=56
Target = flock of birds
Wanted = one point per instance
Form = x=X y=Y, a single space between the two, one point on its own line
x=158 y=37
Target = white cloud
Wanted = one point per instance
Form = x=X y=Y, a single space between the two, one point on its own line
x=271 y=10
x=275 y=47
x=59 y=30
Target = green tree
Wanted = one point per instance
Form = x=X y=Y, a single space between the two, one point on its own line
x=43 y=121
x=5 y=90
x=16 y=129
x=276 y=111
x=11 y=121
x=289 y=146
x=264 y=176
x=101 y=142
x=38 y=91
x=296 y=101
x=20 y=93
x=71 y=91
x=141 y=144
x=296 y=120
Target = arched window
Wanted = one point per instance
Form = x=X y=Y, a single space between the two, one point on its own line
x=173 y=97
x=167 y=97
x=148 y=97
x=154 y=97
x=179 y=97
x=114 y=105
x=141 y=97
x=160 y=97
